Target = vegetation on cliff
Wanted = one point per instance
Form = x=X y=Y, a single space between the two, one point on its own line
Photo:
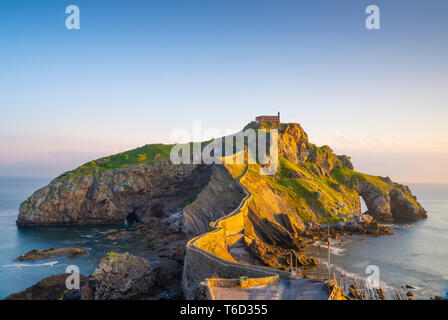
x=147 y=155
x=311 y=184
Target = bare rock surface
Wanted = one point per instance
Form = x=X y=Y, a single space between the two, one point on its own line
x=122 y=277
x=279 y=258
x=357 y=225
x=71 y=252
x=51 y=288
x=109 y=197
x=221 y=195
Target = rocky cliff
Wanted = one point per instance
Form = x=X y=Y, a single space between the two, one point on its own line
x=98 y=194
x=221 y=195
x=311 y=184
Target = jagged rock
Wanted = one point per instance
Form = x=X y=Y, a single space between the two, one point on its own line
x=381 y=294
x=175 y=227
x=304 y=260
x=277 y=257
x=221 y=195
x=121 y=277
x=167 y=277
x=71 y=252
x=390 y=202
x=357 y=225
x=51 y=288
x=107 y=197
x=346 y=161
x=139 y=192
x=174 y=222
x=120 y=235
x=293 y=143
x=355 y=293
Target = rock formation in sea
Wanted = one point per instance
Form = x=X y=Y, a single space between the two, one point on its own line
x=312 y=184
x=120 y=277
x=312 y=191
x=71 y=252
x=50 y=288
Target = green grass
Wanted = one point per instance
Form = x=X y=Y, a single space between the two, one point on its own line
x=312 y=196
x=288 y=169
x=148 y=155
x=63 y=294
x=351 y=177
x=143 y=155
x=112 y=255
x=186 y=202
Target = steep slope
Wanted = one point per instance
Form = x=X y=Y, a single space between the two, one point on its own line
x=311 y=184
x=221 y=195
x=134 y=185
x=321 y=186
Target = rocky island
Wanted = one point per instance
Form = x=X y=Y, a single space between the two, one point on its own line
x=250 y=223
x=71 y=252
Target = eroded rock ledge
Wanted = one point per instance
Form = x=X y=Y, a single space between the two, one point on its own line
x=312 y=183
x=109 y=197
x=71 y=252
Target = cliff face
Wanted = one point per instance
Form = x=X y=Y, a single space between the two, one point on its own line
x=136 y=193
x=332 y=187
x=221 y=195
x=311 y=184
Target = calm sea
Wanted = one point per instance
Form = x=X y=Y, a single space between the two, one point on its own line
x=16 y=276
x=417 y=254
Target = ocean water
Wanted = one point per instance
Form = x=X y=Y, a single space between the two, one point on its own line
x=417 y=254
x=16 y=276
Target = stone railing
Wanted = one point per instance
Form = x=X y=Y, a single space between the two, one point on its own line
x=208 y=286
x=207 y=255
x=208 y=262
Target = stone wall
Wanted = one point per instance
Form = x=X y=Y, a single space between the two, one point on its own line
x=252 y=282
x=200 y=265
x=207 y=255
x=215 y=243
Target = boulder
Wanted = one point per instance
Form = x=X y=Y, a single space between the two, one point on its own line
x=122 y=277
x=51 y=288
x=167 y=277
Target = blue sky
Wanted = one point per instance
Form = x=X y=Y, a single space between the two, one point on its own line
x=136 y=70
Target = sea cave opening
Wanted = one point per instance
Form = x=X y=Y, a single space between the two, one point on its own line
x=131 y=219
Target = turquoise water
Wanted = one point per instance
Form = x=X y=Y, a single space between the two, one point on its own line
x=417 y=254
x=16 y=276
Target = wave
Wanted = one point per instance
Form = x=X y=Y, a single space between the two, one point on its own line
x=336 y=250
x=359 y=277
x=22 y=265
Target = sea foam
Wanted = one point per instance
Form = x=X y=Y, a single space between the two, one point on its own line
x=22 y=265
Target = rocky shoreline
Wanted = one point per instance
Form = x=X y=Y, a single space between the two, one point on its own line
x=170 y=204
x=117 y=273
